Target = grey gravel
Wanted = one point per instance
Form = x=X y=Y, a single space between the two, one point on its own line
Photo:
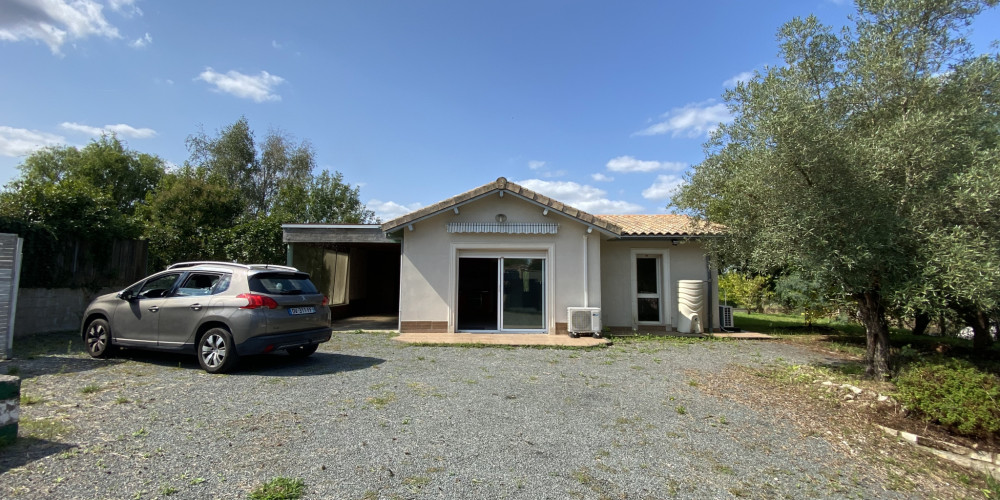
x=367 y=417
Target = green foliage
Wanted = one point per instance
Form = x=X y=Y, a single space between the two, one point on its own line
x=187 y=218
x=256 y=241
x=70 y=205
x=279 y=488
x=749 y=291
x=325 y=199
x=953 y=393
x=797 y=292
x=230 y=199
x=848 y=158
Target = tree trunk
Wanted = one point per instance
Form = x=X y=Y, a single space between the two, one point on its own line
x=871 y=311
x=980 y=323
x=920 y=323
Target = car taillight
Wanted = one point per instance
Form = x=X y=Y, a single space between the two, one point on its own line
x=254 y=301
x=326 y=301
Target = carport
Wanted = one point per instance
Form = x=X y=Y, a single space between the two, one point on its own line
x=355 y=265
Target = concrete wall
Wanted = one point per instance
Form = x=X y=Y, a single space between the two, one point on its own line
x=44 y=310
x=428 y=271
x=685 y=261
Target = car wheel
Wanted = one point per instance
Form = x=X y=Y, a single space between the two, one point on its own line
x=216 y=352
x=97 y=338
x=302 y=351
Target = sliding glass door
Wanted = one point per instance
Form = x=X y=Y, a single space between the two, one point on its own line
x=501 y=294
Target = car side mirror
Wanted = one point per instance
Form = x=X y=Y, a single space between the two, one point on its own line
x=126 y=295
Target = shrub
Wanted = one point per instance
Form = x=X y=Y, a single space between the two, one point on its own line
x=953 y=393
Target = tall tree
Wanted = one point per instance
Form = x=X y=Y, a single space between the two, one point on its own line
x=325 y=198
x=833 y=159
x=257 y=170
x=186 y=218
x=120 y=174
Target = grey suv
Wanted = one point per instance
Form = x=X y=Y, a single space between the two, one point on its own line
x=218 y=310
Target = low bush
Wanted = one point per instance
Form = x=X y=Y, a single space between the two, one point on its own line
x=953 y=393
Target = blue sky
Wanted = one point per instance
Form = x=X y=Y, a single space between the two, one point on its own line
x=601 y=105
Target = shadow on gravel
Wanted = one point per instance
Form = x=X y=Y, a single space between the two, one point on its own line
x=27 y=450
x=275 y=365
x=320 y=363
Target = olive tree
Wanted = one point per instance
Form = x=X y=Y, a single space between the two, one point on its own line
x=841 y=160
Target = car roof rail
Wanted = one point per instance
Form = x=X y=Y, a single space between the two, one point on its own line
x=254 y=267
x=207 y=263
x=272 y=266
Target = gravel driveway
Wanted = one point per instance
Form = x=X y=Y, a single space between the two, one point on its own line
x=367 y=417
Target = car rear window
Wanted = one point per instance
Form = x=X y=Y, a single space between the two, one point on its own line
x=282 y=283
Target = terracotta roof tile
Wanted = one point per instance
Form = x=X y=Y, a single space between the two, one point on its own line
x=662 y=225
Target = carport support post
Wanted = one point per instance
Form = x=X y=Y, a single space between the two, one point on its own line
x=288 y=254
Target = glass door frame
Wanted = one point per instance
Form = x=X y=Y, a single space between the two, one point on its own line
x=471 y=251
x=664 y=285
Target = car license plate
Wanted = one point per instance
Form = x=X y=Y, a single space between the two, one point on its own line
x=301 y=310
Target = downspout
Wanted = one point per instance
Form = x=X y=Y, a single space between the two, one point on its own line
x=708 y=309
x=399 y=300
x=586 y=284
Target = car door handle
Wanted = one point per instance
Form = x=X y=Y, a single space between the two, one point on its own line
x=195 y=307
x=154 y=308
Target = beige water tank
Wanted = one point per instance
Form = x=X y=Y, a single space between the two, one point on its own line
x=690 y=306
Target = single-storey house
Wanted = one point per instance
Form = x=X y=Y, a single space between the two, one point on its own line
x=503 y=258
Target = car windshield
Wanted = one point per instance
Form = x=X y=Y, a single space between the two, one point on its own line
x=282 y=283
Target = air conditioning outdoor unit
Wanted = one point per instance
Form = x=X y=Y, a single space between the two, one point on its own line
x=726 y=316
x=584 y=320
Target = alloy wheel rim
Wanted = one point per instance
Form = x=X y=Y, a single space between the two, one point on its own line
x=213 y=350
x=97 y=338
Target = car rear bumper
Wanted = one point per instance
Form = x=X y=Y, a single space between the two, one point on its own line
x=269 y=343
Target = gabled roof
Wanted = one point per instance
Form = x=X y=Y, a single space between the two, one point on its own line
x=663 y=225
x=502 y=184
x=619 y=226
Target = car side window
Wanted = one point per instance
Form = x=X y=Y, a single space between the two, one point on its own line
x=223 y=284
x=203 y=284
x=157 y=287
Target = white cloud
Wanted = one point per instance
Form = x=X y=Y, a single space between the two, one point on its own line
x=53 y=22
x=664 y=187
x=260 y=88
x=692 y=120
x=630 y=164
x=586 y=198
x=20 y=141
x=742 y=77
x=275 y=44
x=599 y=177
x=142 y=42
x=120 y=129
x=125 y=7
x=535 y=164
x=388 y=210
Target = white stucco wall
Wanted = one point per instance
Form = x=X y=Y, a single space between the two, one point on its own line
x=429 y=258
x=686 y=261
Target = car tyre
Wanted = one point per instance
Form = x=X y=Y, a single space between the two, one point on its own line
x=97 y=339
x=216 y=351
x=302 y=351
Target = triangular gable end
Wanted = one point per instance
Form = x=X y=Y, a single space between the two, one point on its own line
x=502 y=185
